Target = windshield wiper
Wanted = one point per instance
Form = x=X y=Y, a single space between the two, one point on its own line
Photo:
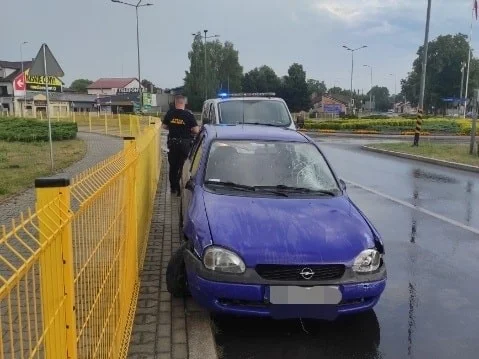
x=243 y=187
x=298 y=190
x=265 y=124
x=231 y=185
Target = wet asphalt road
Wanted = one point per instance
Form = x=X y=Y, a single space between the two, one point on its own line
x=430 y=308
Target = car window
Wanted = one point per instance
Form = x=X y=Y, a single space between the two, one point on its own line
x=262 y=111
x=197 y=157
x=212 y=113
x=270 y=163
x=205 y=113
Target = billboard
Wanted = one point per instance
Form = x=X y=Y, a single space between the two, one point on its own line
x=333 y=108
x=39 y=83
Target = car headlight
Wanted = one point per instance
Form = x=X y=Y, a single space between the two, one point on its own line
x=223 y=260
x=367 y=261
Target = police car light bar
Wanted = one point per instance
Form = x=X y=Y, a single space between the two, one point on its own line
x=253 y=94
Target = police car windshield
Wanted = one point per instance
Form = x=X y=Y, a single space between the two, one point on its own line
x=274 y=164
x=257 y=111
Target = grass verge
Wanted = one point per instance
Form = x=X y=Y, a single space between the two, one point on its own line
x=447 y=152
x=21 y=163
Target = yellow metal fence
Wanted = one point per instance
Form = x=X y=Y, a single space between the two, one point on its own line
x=69 y=271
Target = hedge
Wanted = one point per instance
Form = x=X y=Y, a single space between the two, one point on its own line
x=432 y=125
x=31 y=130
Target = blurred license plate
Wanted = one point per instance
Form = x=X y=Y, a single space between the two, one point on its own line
x=304 y=295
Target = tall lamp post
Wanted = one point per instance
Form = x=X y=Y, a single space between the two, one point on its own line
x=395 y=90
x=137 y=6
x=206 y=37
x=24 y=80
x=371 y=91
x=352 y=68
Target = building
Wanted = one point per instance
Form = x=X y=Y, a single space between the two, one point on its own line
x=12 y=84
x=334 y=104
x=114 y=86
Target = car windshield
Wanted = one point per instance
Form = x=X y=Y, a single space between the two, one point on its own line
x=263 y=111
x=276 y=164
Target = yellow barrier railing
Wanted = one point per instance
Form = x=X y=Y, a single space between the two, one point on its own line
x=69 y=272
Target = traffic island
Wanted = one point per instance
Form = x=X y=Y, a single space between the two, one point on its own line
x=448 y=155
x=167 y=327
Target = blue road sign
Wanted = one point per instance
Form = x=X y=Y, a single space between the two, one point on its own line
x=335 y=108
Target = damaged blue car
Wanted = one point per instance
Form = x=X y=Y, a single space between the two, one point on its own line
x=269 y=230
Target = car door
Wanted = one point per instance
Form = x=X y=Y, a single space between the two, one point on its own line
x=190 y=170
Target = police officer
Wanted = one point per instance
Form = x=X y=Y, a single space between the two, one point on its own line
x=182 y=127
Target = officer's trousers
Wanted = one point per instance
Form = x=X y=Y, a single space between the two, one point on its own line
x=176 y=159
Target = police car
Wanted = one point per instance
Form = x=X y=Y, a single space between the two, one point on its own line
x=247 y=108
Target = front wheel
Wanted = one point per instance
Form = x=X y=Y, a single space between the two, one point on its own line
x=176 y=279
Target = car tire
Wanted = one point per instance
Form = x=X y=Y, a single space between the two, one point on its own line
x=176 y=278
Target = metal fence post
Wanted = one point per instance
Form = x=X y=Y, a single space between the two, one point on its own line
x=56 y=267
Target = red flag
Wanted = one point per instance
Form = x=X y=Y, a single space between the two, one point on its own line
x=475 y=8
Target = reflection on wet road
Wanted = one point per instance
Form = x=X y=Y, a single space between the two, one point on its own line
x=429 y=308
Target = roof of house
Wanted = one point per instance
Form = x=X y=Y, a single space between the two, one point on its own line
x=110 y=83
x=66 y=97
x=337 y=97
x=15 y=64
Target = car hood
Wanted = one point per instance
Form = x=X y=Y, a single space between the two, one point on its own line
x=277 y=230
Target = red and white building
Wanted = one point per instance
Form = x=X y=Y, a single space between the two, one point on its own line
x=114 y=86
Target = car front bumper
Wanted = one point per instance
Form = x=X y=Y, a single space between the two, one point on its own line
x=247 y=295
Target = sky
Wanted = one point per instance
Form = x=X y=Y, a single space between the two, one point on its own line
x=97 y=38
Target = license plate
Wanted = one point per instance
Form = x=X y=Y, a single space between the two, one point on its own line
x=304 y=295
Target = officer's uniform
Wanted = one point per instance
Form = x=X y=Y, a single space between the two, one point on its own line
x=180 y=138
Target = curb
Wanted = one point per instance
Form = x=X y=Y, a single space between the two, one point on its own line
x=455 y=165
x=201 y=339
x=385 y=137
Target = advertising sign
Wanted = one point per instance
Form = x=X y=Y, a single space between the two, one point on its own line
x=39 y=83
x=334 y=108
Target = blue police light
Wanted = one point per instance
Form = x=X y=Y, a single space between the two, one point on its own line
x=223 y=95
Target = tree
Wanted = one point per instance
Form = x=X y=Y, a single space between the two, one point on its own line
x=262 y=79
x=316 y=87
x=149 y=86
x=223 y=71
x=443 y=77
x=295 y=89
x=380 y=98
x=80 y=85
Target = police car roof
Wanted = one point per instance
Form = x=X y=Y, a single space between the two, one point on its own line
x=254 y=132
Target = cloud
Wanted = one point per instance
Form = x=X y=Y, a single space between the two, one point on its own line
x=353 y=11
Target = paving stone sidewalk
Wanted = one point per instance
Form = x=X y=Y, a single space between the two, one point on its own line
x=167 y=327
x=99 y=148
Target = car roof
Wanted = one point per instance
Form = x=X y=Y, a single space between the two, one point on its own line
x=254 y=133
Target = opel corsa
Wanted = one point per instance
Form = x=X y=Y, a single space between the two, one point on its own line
x=269 y=230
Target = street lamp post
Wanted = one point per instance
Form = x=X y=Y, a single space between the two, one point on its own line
x=137 y=6
x=352 y=69
x=371 y=91
x=423 y=77
x=206 y=65
x=395 y=90
x=24 y=80
x=463 y=67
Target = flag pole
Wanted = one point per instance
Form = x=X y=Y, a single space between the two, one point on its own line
x=469 y=59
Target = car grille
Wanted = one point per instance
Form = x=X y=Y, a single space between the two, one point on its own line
x=292 y=272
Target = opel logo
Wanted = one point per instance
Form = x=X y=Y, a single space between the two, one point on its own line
x=307 y=273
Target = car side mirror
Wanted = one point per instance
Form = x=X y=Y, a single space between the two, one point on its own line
x=342 y=184
x=190 y=185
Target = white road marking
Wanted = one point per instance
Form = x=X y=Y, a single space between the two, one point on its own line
x=419 y=209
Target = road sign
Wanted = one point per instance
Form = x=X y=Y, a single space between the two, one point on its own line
x=46 y=65
x=52 y=67
x=19 y=83
x=333 y=108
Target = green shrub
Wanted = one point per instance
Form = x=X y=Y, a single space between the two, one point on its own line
x=31 y=130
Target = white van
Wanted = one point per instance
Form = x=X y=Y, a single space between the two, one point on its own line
x=247 y=108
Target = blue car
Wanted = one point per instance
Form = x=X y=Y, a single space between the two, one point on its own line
x=269 y=230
